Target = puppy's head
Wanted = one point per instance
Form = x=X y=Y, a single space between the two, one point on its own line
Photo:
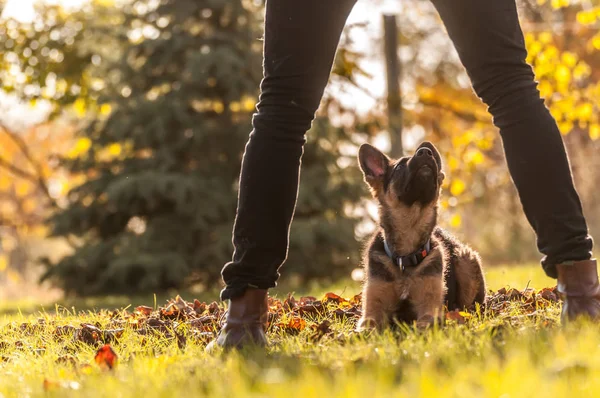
x=407 y=181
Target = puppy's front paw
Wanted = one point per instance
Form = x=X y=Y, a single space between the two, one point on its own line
x=367 y=324
x=427 y=321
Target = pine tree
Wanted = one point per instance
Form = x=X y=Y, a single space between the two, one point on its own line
x=156 y=210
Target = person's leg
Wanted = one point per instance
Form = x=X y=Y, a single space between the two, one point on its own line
x=489 y=41
x=300 y=43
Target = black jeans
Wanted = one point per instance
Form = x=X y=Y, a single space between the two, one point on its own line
x=301 y=38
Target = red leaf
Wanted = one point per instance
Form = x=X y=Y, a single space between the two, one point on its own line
x=106 y=357
x=334 y=298
x=455 y=316
x=145 y=310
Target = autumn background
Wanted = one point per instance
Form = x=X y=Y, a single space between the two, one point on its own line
x=122 y=125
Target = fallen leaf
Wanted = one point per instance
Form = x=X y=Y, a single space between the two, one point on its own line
x=293 y=325
x=321 y=330
x=290 y=303
x=106 y=357
x=314 y=308
x=334 y=298
x=455 y=316
x=205 y=323
x=144 y=310
x=347 y=314
x=65 y=330
x=199 y=307
x=548 y=294
x=67 y=360
x=88 y=334
x=305 y=300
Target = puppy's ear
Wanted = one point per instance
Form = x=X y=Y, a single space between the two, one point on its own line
x=374 y=165
x=441 y=177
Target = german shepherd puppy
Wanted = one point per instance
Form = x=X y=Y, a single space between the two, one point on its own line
x=413 y=267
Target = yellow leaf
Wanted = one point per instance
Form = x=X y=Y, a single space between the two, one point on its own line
x=23 y=188
x=477 y=158
x=551 y=52
x=545 y=88
x=562 y=74
x=560 y=3
x=586 y=18
x=529 y=37
x=81 y=146
x=584 y=111
x=40 y=230
x=569 y=58
x=61 y=86
x=457 y=187
x=3 y=263
x=534 y=48
x=249 y=104
x=594 y=131
x=596 y=42
x=565 y=127
x=455 y=221
x=218 y=107
x=485 y=143
x=80 y=107
x=582 y=70
x=5 y=182
x=453 y=163
x=545 y=37
x=105 y=109
x=115 y=149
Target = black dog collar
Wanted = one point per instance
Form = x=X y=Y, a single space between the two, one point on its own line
x=410 y=260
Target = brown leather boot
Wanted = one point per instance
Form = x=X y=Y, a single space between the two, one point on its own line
x=578 y=285
x=245 y=322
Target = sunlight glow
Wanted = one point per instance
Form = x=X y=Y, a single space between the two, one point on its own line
x=23 y=10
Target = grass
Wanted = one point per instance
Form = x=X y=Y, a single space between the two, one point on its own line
x=515 y=354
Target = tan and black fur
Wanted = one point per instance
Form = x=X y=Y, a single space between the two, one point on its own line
x=407 y=191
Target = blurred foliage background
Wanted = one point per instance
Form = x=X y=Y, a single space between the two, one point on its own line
x=123 y=124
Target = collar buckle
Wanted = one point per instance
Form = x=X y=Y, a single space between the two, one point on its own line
x=412 y=259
